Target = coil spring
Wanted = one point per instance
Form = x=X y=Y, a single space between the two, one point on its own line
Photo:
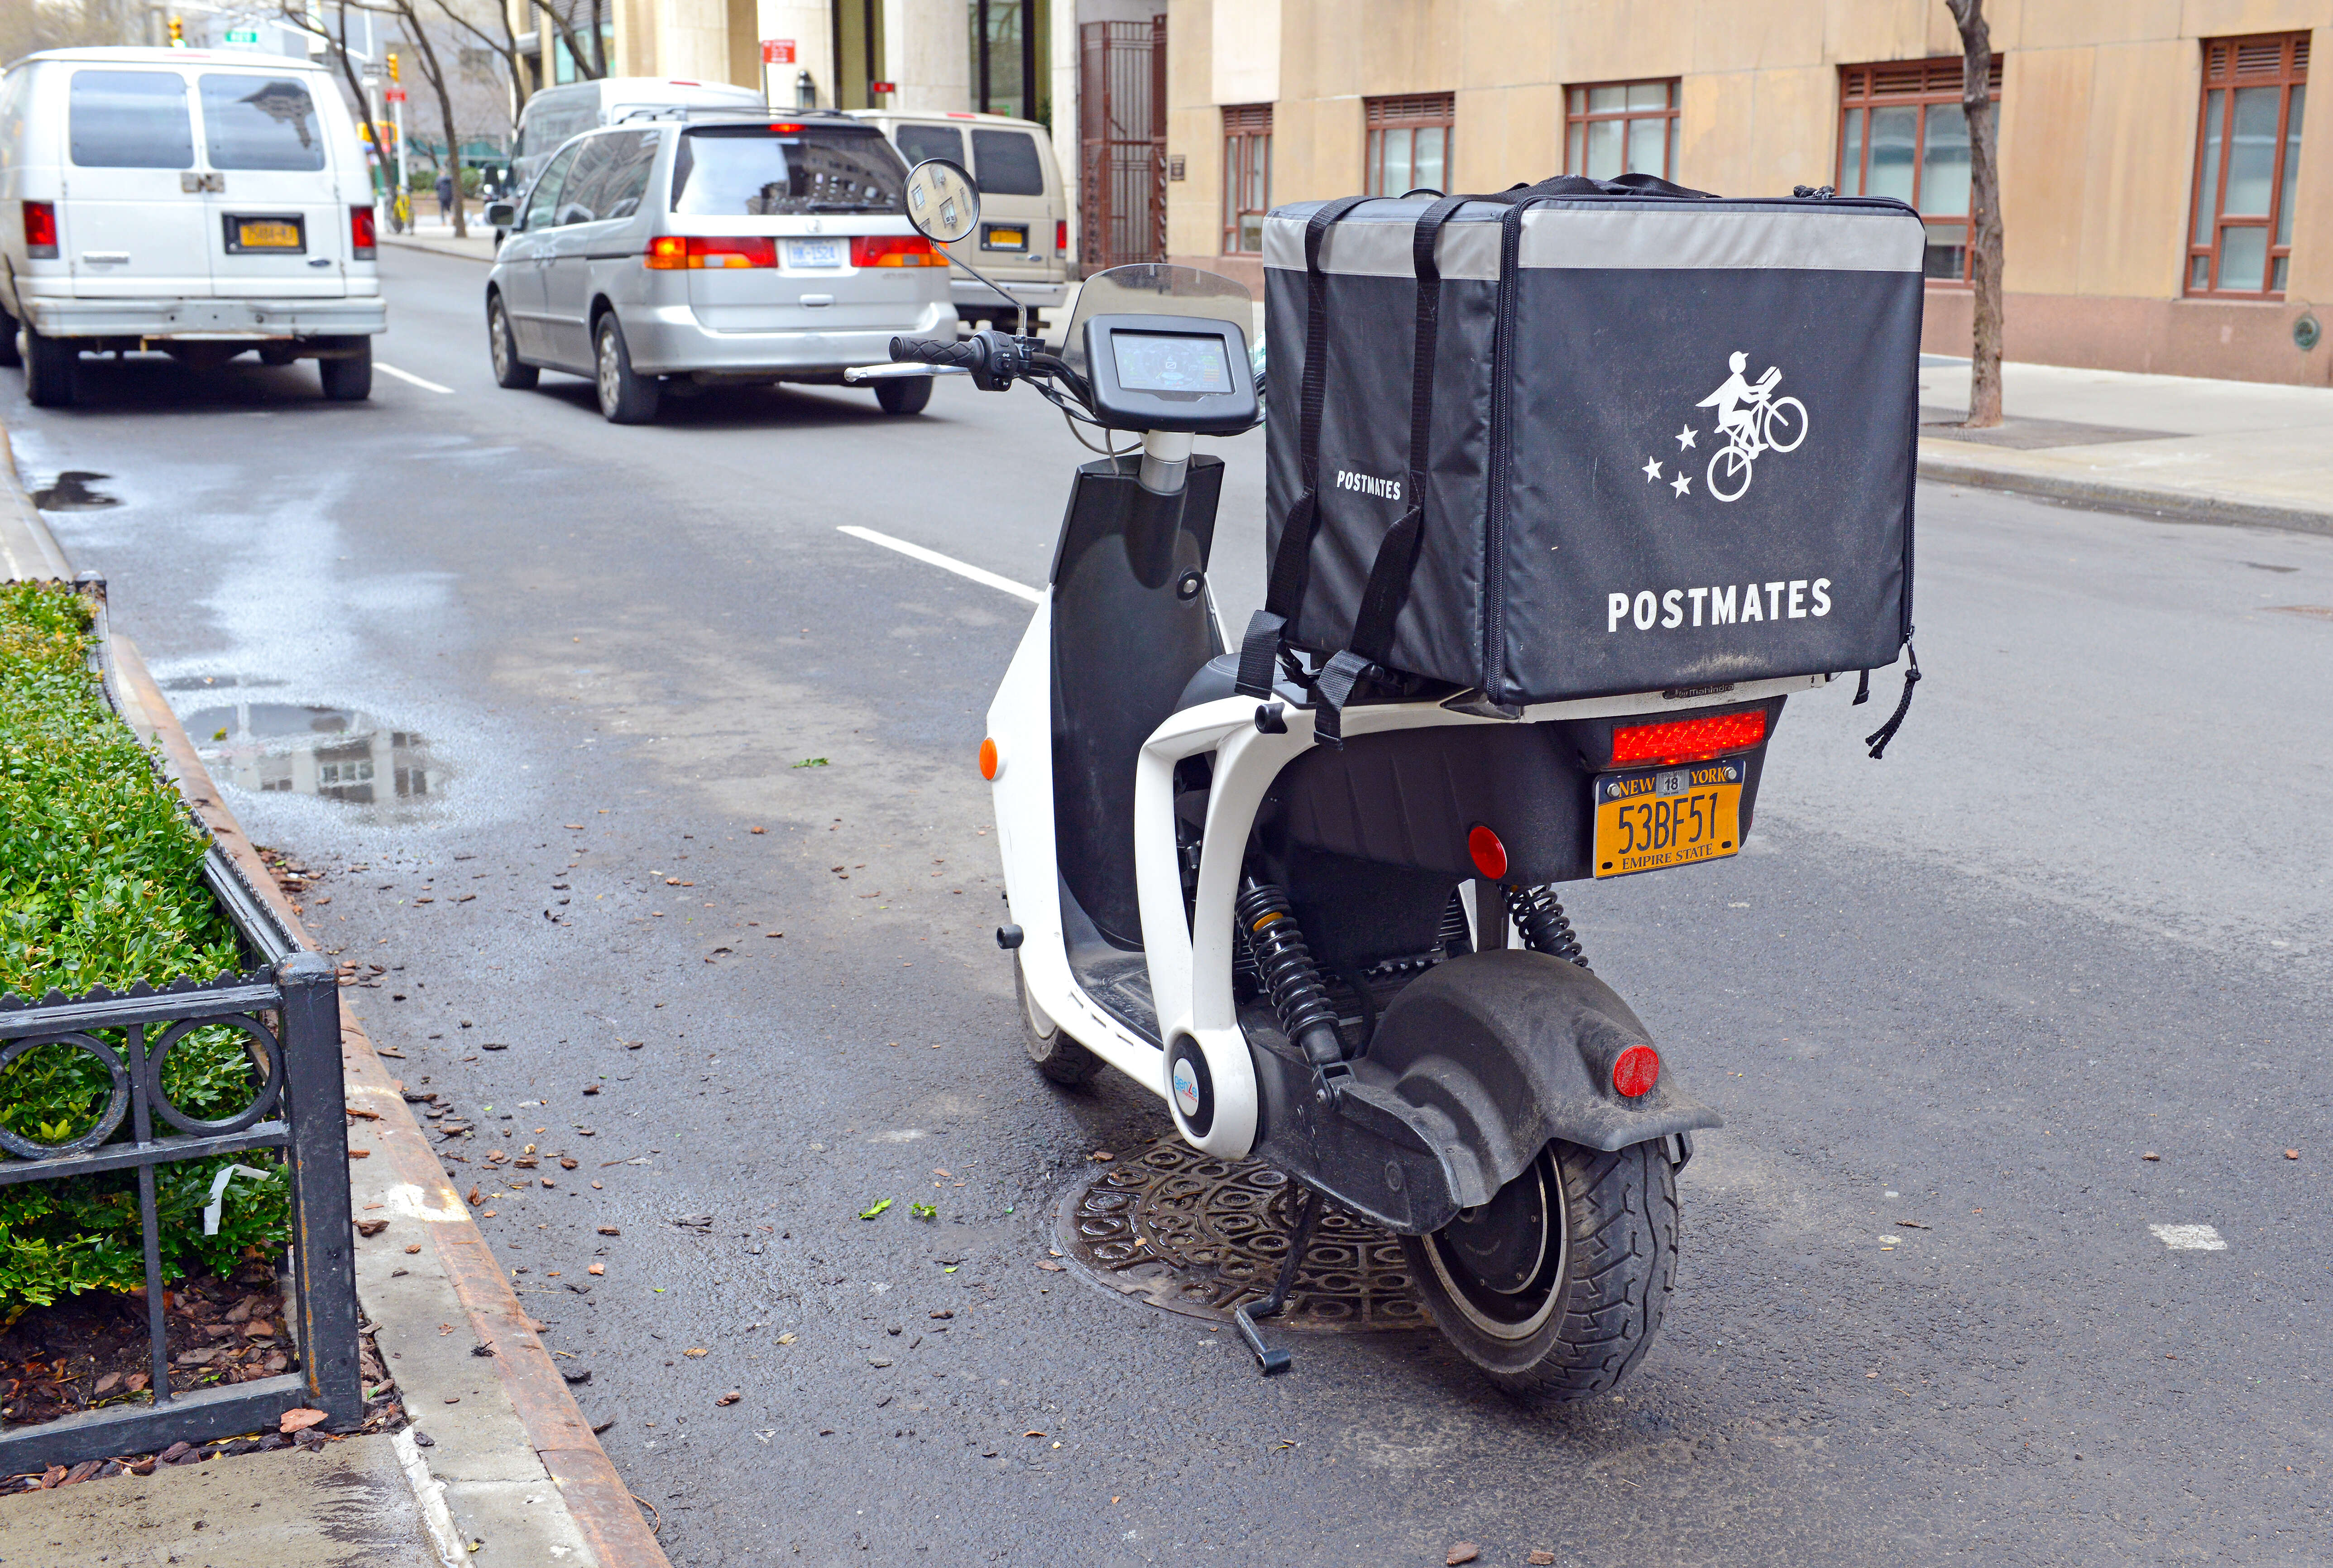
x=1538 y=915
x=1291 y=978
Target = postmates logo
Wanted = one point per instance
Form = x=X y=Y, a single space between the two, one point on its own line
x=1751 y=422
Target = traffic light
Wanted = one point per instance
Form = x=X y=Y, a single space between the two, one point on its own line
x=178 y=33
x=392 y=65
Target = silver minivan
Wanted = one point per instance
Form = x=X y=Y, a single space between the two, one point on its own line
x=706 y=247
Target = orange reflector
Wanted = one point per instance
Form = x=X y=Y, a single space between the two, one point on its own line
x=991 y=761
x=1687 y=739
x=1490 y=854
x=1636 y=1070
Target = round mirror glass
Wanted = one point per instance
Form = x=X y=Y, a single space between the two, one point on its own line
x=942 y=201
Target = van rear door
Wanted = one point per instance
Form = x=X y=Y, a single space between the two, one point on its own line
x=277 y=226
x=131 y=224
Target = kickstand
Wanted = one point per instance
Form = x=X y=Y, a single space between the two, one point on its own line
x=1267 y=1359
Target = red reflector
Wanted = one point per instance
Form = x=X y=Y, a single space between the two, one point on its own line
x=991 y=762
x=1688 y=739
x=1636 y=1070
x=894 y=250
x=362 y=241
x=1489 y=855
x=41 y=230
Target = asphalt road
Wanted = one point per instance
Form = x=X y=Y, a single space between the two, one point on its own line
x=2079 y=914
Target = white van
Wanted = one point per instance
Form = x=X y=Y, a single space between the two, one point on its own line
x=197 y=201
x=1023 y=242
x=556 y=115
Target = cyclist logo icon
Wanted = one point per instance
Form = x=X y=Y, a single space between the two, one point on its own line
x=1753 y=421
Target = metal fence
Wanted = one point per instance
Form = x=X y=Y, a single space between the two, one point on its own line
x=288 y=1010
x=1121 y=144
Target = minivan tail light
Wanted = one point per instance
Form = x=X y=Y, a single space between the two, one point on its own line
x=362 y=241
x=676 y=253
x=41 y=230
x=894 y=250
x=1687 y=739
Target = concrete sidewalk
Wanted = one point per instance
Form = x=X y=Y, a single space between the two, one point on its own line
x=433 y=234
x=497 y=1464
x=2170 y=447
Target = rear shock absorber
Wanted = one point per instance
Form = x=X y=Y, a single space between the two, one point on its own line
x=1538 y=915
x=1290 y=976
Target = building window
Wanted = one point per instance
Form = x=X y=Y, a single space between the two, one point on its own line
x=1409 y=143
x=1247 y=177
x=1621 y=128
x=1005 y=77
x=1904 y=133
x=2247 y=159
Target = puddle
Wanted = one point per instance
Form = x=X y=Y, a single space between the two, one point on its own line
x=332 y=753
x=72 y=493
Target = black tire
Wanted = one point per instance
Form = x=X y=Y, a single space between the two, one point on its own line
x=1587 y=1311
x=1050 y=1050
x=9 y=357
x=502 y=347
x=347 y=381
x=52 y=371
x=906 y=394
x=625 y=398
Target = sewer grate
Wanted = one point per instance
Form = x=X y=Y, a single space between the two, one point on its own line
x=1198 y=1235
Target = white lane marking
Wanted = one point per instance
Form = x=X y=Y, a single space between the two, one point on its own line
x=2190 y=1238
x=410 y=376
x=944 y=562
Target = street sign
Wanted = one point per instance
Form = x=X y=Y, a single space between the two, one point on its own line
x=394 y=95
x=242 y=35
x=777 y=51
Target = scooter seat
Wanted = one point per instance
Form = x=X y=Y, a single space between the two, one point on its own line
x=1218 y=677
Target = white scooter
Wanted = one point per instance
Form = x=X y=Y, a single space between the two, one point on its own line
x=1350 y=962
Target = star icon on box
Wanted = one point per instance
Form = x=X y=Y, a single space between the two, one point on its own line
x=1652 y=469
x=1682 y=485
x=1685 y=438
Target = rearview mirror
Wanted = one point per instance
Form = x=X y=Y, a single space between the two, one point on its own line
x=502 y=215
x=942 y=201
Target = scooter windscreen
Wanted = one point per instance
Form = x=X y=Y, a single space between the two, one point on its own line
x=1157 y=289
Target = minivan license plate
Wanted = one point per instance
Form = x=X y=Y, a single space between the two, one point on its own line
x=1669 y=816
x=814 y=253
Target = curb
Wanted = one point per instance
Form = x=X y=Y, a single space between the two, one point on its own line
x=1940 y=462
x=600 y=1517
x=436 y=247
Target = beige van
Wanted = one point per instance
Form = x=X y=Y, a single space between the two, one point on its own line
x=1022 y=243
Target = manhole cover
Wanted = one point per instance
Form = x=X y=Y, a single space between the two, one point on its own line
x=1200 y=1236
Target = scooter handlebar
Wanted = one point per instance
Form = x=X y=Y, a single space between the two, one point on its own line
x=961 y=354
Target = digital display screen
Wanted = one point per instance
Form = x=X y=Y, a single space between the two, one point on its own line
x=1170 y=362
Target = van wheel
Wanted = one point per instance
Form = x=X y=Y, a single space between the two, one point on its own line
x=8 y=355
x=502 y=346
x=1050 y=1050
x=625 y=398
x=347 y=381
x=52 y=370
x=906 y=394
x=1555 y=1287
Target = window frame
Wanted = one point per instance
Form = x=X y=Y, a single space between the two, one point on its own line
x=1247 y=150
x=2223 y=74
x=1413 y=112
x=1576 y=120
x=1920 y=84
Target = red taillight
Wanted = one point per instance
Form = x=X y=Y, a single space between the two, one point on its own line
x=1061 y=237
x=364 y=244
x=894 y=250
x=676 y=253
x=1636 y=1070
x=786 y=129
x=1687 y=739
x=1489 y=854
x=41 y=230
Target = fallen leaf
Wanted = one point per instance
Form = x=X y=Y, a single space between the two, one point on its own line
x=1913 y=1224
x=135 y=1382
x=878 y=1208
x=2150 y=1154
x=696 y=1350
x=414 y=1247
x=597 y=1268
x=1539 y=1559
x=944 y=1313
x=477 y=1197
x=362 y=1115
x=107 y=1383
x=1049 y=1266
x=610 y=1230
x=1101 y=1154
x=301 y=1420
x=786 y=1339
x=2292 y=1154
x=924 y=1210
x=371 y=1227
x=567 y=1164
x=730 y=1398
x=758 y=829
x=360 y=1154
x=1033 y=1434
x=1464 y=1552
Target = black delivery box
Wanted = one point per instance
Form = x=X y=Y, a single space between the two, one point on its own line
x=1666 y=440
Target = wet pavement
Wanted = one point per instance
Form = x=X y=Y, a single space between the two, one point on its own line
x=645 y=799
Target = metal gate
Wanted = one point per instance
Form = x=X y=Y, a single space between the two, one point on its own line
x=1121 y=144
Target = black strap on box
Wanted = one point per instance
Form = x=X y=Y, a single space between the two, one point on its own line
x=1292 y=563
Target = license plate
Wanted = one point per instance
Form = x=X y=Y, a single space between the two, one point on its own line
x=1005 y=239
x=1668 y=816
x=267 y=233
x=814 y=253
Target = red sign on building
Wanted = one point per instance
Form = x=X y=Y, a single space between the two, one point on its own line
x=777 y=51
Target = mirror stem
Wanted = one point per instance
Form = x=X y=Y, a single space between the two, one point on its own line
x=1001 y=293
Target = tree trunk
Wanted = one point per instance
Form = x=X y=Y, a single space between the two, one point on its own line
x=1984 y=212
x=437 y=74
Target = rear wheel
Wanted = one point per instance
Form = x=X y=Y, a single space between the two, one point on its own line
x=1050 y=1050
x=52 y=370
x=502 y=347
x=1555 y=1287
x=903 y=394
x=350 y=380
x=625 y=398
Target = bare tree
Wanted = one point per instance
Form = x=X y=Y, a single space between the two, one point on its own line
x=501 y=41
x=1984 y=212
x=590 y=66
x=432 y=68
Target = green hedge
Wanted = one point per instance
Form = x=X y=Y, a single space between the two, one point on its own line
x=100 y=884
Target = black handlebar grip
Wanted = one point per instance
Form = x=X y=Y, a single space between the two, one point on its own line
x=961 y=352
